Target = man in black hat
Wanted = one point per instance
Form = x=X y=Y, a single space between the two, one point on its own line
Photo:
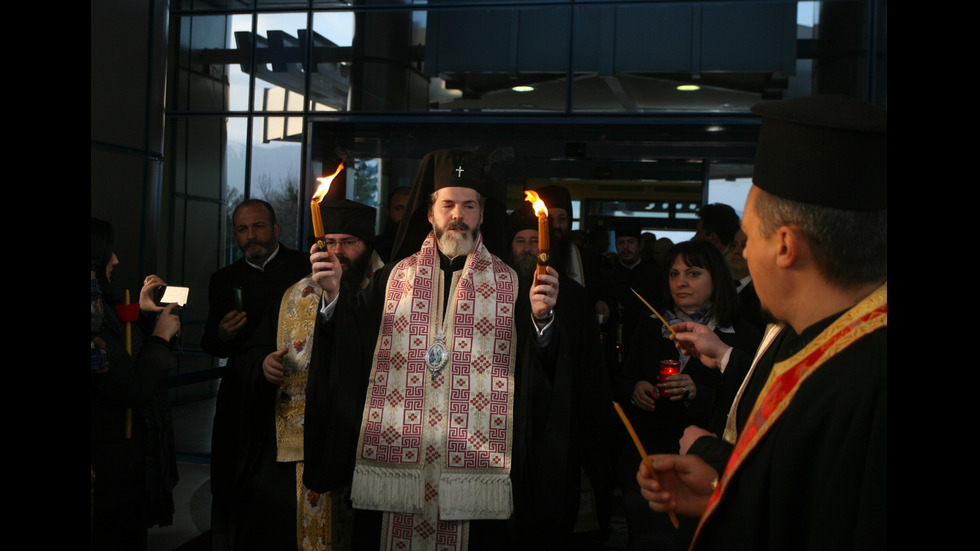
x=573 y=433
x=287 y=390
x=807 y=469
x=445 y=411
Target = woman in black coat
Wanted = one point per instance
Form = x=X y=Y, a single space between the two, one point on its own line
x=699 y=288
x=134 y=463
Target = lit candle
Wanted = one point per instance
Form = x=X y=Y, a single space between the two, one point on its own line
x=321 y=192
x=544 y=245
x=643 y=453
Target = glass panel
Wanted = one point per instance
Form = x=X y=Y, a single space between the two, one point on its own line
x=333 y=34
x=280 y=4
x=730 y=184
x=238 y=49
x=210 y=4
x=367 y=181
x=275 y=178
x=207 y=74
x=496 y=60
x=280 y=81
x=233 y=191
x=690 y=57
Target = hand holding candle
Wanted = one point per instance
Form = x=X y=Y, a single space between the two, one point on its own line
x=643 y=453
x=321 y=192
x=544 y=244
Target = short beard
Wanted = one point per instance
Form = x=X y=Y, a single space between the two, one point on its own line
x=453 y=244
x=525 y=264
x=257 y=256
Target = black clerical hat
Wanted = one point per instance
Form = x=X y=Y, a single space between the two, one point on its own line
x=523 y=218
x=456 y=168
x=627 y=228
x=556 y=197
x=827 y=150
x=346 y=216
x=451 y=168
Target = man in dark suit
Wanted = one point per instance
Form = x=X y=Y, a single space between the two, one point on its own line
x=749 y=307
x=240 y=295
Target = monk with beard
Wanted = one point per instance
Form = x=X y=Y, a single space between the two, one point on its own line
x=277 y=510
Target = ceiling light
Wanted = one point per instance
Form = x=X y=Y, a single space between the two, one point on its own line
x=523 y=88
x=688 y=87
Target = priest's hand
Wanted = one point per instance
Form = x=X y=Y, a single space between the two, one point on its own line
x=150 y=284
x=272 y=366
x=691 y=435
x=544 y=295
x=685 y=484
x=231 y=324
x=643 y=395
x=327 y=271
x=709 y=347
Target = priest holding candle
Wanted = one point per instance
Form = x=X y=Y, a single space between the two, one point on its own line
x=301 y=407
x=806 y=434
x=582 y=417
x=443 y=451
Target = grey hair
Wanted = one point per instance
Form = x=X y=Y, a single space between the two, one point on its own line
x=849 y=247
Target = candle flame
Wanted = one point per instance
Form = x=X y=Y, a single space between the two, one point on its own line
x=533 y=198
x=324 y=186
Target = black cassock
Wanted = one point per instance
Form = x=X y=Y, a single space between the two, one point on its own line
x=240 y=430
x=817 y=480
x=562 y=413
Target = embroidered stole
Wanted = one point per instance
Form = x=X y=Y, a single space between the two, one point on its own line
x=435 y=445
x=786 y=377
x=297 y=318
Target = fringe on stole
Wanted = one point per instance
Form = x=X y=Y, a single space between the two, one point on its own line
x=387 y=489
x=468 y=496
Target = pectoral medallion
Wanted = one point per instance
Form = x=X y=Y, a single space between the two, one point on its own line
x=437 y=357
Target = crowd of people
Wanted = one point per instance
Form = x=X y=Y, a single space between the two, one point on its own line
x=447 y=384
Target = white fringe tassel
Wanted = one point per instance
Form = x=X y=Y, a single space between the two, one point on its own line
x=467 y=496
x=386 y=489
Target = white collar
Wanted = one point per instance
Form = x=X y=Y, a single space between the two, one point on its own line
x=743 y=282
x=267 y=260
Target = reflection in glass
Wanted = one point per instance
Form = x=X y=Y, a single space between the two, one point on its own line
x=233 y=185
x=333 y=34
x=279 y=56
x=275 y=171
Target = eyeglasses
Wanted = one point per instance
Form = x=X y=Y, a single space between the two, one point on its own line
x=345 y=243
